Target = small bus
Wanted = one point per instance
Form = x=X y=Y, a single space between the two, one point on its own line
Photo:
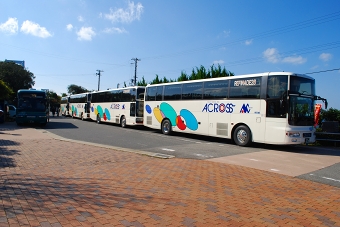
x=79 y=105
x=64 y=106
x=123 y=106
x=272 y=108
x=32 y=107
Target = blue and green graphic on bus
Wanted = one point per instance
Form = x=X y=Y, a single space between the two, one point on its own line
x=185 y=119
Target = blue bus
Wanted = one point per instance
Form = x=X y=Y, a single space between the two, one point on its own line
x=32 y=107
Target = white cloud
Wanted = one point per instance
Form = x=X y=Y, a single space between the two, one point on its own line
x=115 y=30
x=86 y=33
x=80 y=19
x=10 y=26
x=272 y=55
x=295 y=60
x=226 y=33
x=218 y=62
x=29 y=27
x=325 y=57
x=248 y=42
x=133 y=12
x=69 y=27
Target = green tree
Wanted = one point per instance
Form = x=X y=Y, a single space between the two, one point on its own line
x=54 y=98
x=63 y=94
x=142 y=82
x=16 y=77
x=156 y=80
x=329 y=115
x=75 y=89
x=183 y=77
x=196 y=74
x=165 y=80
x=200 y=73
x=5 y=91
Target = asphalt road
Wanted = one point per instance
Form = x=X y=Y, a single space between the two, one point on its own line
x=318 y=164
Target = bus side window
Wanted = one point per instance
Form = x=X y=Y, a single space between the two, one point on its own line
x=151 y=94
x=254 y=93
x=192 y=91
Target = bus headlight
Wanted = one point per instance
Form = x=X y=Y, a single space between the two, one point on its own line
x=293 y=134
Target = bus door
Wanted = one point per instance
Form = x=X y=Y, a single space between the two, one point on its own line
x=132 y=109
x=132 y=118
x=136 y=111
x=87 y=109
x=139 y=109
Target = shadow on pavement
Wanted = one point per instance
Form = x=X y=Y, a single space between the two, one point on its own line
x=5 y=154
x=67 y=194
x=59 y=125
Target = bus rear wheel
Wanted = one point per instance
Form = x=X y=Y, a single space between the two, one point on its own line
x=98 y=119
x=123 y=122
x=242 y=136
x=166 y=127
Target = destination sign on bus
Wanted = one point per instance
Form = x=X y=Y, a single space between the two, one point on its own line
x=251 y=82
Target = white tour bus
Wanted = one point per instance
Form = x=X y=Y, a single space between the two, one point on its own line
x=64 y=106
x=122 y=106
x=273 y=108
x=79 y=105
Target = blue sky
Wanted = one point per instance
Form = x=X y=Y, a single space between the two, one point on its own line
x=64 y=42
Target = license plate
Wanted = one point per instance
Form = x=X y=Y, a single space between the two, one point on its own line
x=307 y=134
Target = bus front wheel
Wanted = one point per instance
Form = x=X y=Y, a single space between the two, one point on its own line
x=242 y=136
x=166 y=127
x=98 y=119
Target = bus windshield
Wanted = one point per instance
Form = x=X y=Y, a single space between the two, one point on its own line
x=32 y=102
x=301 y=101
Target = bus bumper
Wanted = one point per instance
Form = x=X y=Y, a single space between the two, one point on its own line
x=22 y=119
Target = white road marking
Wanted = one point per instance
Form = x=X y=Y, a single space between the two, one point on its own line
x=276 y=170
x=166 y=149
x=331 y=179
x=204 y=156
x=254 y=160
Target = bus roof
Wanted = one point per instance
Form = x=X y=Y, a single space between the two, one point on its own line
x=31 y=91
x=238 y=77
x=118 y=89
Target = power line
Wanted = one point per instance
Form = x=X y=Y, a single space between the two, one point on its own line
x=277 y=31
x=300 y=25
x=329 y=70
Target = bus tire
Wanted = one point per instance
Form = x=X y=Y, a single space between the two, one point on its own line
x=123 y=122
x=166 y=127
x=98 y=119
x=242 y=136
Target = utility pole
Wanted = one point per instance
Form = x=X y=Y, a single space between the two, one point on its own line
x=135 y=59
x=98 y=74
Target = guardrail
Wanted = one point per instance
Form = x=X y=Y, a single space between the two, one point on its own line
x=336 y=134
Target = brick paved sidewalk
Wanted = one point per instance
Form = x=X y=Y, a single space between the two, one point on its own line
x=48 y=182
